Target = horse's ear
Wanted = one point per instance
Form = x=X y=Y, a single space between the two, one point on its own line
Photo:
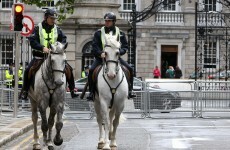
x=66 y=44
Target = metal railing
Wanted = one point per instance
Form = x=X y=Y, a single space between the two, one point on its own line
x=154 y=99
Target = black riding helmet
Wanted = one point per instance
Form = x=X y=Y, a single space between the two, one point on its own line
x=110 y=16
x=50 y=12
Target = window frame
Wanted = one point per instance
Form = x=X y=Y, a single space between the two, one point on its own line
x=209 y=53
x=48 y=7
x=6 y=8
x=137 y=2
x=177 y=7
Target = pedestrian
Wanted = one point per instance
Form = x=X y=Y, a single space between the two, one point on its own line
x=85 y=72
x=170 y=72
x=46 y=32
x=178 y=72
x=98 y=46
x=9 y=76
x=156 y=72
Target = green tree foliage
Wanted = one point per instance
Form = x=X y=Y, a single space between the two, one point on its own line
x=63 y=6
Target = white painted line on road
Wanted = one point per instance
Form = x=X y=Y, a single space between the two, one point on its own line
x=180 y=144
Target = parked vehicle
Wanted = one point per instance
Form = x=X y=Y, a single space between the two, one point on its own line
x=80 y=84
x=220 y=75
x=159 y=98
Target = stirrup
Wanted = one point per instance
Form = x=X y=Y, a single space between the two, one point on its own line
x=73 y=95
x=90 y=97
x=131 y=95
x=24 y=95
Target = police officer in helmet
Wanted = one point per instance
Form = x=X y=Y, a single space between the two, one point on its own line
x=46 y=32
x=108 y=28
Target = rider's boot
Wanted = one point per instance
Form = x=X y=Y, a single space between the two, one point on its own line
x=70 y=81
x=26 y=85
x=90 y=97
x=131 y=94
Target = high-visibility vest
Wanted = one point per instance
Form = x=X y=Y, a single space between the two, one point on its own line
x=20 y=76
x=45 y=38
x=103 y=35
x=9 y=78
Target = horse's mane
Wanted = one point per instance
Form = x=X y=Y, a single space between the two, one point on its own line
x=112 y=41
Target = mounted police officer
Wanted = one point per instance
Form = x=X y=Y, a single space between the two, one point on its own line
x=46 y=32
x=98 y=46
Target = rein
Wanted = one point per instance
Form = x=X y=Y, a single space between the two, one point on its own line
x=112 y=90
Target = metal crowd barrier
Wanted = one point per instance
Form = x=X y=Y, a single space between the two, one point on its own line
x=155 y=99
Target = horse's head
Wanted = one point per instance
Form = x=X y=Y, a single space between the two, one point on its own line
x=58 y=62
x=112 y=54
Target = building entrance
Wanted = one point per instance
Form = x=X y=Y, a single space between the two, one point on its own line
x=168 y=58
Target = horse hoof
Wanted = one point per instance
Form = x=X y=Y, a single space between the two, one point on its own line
x=113 y=148
x=36 y=147
x=50 y=147
x=58 y=142
x=100 y=145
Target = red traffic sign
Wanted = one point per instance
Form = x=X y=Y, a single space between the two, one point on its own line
x=28 y=26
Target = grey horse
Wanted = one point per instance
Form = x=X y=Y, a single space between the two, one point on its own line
x=112 y=92
x=49 y=92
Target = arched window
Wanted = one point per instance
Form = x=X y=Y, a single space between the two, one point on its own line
x=87 y=57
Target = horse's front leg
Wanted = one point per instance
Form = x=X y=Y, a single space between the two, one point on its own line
x=36 y=144
x=115 y=123
x=44 y=125
x=100 y=123
x=59 y=124
x=105 y=118
x=50 y=126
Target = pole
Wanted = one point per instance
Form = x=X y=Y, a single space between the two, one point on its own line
x=17 y=48
x=196 y=41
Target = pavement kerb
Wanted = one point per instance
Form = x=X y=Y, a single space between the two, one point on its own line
x=19 y=132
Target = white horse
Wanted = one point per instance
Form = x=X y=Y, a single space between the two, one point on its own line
x=49 y=91
x=112 y=91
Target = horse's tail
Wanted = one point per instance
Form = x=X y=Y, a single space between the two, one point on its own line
x=84 y=90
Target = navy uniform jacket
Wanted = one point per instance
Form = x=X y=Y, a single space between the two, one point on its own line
x=97 y=44
x=35 y=40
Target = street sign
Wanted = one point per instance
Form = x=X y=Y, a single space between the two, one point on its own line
x=28 y=26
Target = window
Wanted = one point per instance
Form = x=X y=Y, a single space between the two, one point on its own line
x=6 y=3
x=87 y=57
x=128 y=4
x=169 y=5
x=7 y=50
x=210 y=5
x=210 y=53
x=49 y=3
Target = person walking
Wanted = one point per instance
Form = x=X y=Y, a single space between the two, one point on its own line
x=46 y=32
x=98 y=46
x=156 y=72
x=170 y=72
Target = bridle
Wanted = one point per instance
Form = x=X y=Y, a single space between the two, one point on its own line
x=50 y=76
x=105 y=70
x=105 y=63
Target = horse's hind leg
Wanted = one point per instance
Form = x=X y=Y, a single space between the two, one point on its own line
x=59 y=124
x=36 y=144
